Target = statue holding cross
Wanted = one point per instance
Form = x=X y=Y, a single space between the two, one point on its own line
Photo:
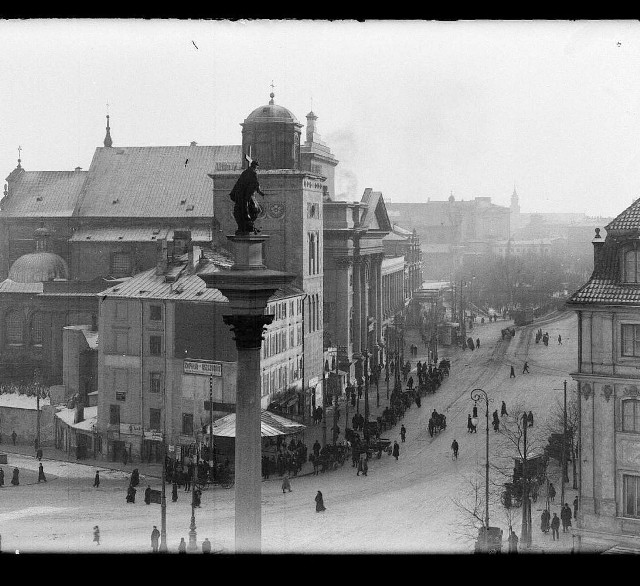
x=246 y=208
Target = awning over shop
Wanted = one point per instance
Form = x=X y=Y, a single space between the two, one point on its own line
x=270 y=425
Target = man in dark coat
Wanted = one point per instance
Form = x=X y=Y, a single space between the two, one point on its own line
x=147 y=495
x=396 y=450
x=96 y=535
x=174 y=492
x=503 y=409
x=544 y=521
x=155 y=537
x=525 y=368
x=206 y=545
x=575 y=506
x=14 y=435
x=96 y=480
x=41 y=476
x=512 y=374
x=246 y=209
x=552 y=492
x=16 y=477
x=565 y=515
x=316 y=448
x=403 y=433
x=454 y=449
x=555 y=526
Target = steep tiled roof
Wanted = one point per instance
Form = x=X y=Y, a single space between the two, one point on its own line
x=43 y=194
x=629 y=219
x=153 y=182
x=606 y=291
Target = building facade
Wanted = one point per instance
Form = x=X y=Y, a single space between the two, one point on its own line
x=608 y=380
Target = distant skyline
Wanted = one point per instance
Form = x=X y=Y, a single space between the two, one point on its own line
x=413 y=109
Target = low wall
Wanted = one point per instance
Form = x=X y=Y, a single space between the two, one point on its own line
x=24 y=423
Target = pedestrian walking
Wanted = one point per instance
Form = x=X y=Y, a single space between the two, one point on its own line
x=39 y=454
x=525 y=368
x=182 y=547
x=555 y=526
x=96 y=535
x=396 y=450
x=147 y=495
x=135 y=478
x=552 y=492
x=530 y=419
x=14 y=435
x=155 y=537
x=560 y=339
x=16 y=477
x=565 y=515
x=41 y=476
x=286 y=484
x=131 y=494
x=403 y=432
x=470 y=425
x=320 y=503
x=544 y=521
x=503 y=409
x=454 y=449
x=477 y=342
x=206 y=545
x=512 y=374
x=513 y=541
x=575 y=507
x=496 y=421
x=96 y=480
x=365 y=467
x=1 y=477
x=174 y=492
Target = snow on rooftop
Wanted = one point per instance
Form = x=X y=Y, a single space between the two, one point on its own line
x=90 y=418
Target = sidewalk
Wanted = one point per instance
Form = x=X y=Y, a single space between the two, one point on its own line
x=54 y=454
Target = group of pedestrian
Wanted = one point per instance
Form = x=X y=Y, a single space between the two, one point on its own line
x=545 y=337
x=134 y=480
x=182 y=546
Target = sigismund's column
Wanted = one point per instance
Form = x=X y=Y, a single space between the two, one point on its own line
x=248 y=285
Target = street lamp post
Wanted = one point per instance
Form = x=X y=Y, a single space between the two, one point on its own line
x=525 y=536
x=477 y=395
x=193 y=544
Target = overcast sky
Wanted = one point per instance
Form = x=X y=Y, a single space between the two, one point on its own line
x=414 y=109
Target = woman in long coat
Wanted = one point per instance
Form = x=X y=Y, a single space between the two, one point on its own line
x=15 y=480
x=319 y=503
x=41 y=476
x=396 y=450
x=147 y=495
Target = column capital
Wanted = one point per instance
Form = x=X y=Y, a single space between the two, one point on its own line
x=248 y=329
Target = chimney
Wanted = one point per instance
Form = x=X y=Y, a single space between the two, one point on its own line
x=195 y=253
x=163 y=260
x=598 y=244
x=79 y=412
x=181 y=241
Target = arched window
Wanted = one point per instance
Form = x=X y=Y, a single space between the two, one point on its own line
x=630 y=266
x=14 y=324
x=631 y=415
x=36 y=329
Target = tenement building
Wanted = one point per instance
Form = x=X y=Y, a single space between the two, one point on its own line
x=608 y=380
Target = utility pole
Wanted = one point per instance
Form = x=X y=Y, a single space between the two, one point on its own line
x=324 y=405
x=211 y=420
x=525 y=535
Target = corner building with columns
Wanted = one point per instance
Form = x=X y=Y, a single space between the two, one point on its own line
x=608 y=381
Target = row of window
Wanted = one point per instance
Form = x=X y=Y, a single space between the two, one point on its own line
x=280 y=341
x=282 y=309
x=121 y=311
x=279 y=377
x=155 y=419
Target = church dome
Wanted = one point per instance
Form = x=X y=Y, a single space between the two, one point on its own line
x=38 y=267
x=271 y=113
